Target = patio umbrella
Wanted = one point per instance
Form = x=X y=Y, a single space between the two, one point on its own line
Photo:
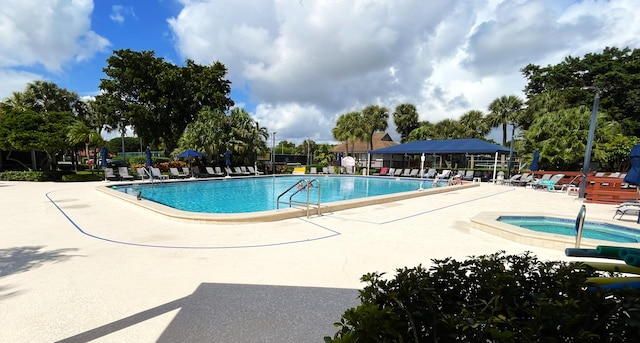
x=633 y=175
x=227 y=158
x=534 y=164
x=147 y=154
x=103 y=159
x=190 y=154
x=339 y=159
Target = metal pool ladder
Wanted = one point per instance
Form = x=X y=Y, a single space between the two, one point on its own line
x=299 y=186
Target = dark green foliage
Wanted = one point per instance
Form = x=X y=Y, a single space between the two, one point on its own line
x=492 y=298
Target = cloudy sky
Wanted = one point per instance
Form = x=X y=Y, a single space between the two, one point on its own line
x=296 y=65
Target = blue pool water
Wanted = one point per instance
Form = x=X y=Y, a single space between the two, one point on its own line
x=242 y=195
x=593 y=230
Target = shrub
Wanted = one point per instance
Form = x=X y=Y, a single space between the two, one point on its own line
x=491 y=298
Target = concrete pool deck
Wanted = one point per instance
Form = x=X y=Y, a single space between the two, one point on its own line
x=79 y=265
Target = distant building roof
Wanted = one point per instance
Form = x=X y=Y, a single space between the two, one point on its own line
x=380 y=140
x=444 y=146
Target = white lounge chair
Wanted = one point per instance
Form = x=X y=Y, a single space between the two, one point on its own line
x=124 y=173
x=157 y=174
x=254 y=171
x=628 y=208
x=143 y=173
x=212 y=172
x=176 y=174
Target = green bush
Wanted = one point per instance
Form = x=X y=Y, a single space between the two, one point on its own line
x=81 y=177
x=11 y=175
x=492 y=298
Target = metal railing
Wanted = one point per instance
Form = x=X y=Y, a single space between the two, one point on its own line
x=299 y=186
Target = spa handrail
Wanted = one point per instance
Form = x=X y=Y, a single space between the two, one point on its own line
x=300 y=185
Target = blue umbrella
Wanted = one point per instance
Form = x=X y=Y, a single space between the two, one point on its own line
x=339 y=159
x=536 y=158
x=633 y=175
x=191 y=153
x=227 y=158
x=103 y=156
x=147 y=153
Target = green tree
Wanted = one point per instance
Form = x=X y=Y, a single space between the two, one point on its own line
x=157 y=98
x=24 y=131
x=79 y=133
x=374 y=119
x=561 y=137
x=425 y=131
x=615 y=71
x=406 y=119
x=349 y=129
x=504 y=111
x=474 y=125
x=323 y=155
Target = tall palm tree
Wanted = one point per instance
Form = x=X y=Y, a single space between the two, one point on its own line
x=406 y=119
x=374 y=118
x=80 y=133
x=503 y=111
x=474 y=124
x=348 y=128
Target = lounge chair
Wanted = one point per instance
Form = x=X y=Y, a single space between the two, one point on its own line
x=391 y=172
x=254 y=171
x=196 y=171
x=551 y=183
x=325 y=170
x=143 y=173
x=230 y=172
x=313 y=170
x=124 y=173
x=186 y=171
x=536 y=182
x=332 y=170
x=157 y=174
x=468 y=175
x=212 y=172
x=524 y=179
x=499 y=178
x=383 y=171
x=299 y=170
x=512 y=179
x=628 y=208
x=218 y=171
x=174 y=173
x=406 y=172
x=110 y=175
x=431 y=173
x=398 y=172
x=240 y=171
x=414 y=172
x=444 y=175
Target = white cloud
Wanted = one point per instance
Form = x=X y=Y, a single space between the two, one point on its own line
x=47 y=34
x=119 y=13
x=15 y=81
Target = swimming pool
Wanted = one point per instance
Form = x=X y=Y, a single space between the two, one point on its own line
x=210 y=200
x=593 y=230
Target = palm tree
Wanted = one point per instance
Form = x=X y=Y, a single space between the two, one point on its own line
x=474 y=124
x=348 y=128
x=81 y=133
x=504 y=111
x=406 y=119
x=374 y=118
x=425 y=131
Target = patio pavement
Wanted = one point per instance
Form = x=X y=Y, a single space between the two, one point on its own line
x=79 y=265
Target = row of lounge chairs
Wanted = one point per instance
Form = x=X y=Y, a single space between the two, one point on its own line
x=175 y=173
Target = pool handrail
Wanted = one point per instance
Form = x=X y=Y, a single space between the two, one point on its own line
x=580 y=224
x=298 y=186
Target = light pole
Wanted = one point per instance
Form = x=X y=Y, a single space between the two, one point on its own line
x=273 y=155
x=122 y=138
x=592 y=130
x=513 y=131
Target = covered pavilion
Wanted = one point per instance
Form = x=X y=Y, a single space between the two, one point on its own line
x=449 y=153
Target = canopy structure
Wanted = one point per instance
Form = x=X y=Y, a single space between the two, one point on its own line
x=444 y=146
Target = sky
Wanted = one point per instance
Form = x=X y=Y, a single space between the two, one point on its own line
x=297 y=65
